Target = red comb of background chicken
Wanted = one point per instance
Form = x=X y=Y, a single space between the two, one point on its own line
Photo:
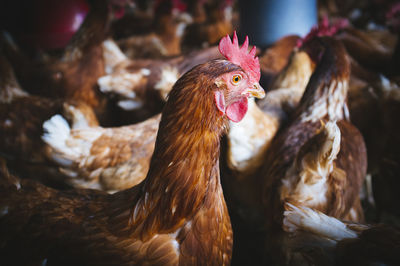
x=179 y=5
x=240 y=55
x=168 y=6
x=324 y=29
x=393 y=11
x=393 y=17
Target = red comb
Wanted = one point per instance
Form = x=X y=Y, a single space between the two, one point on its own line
x=179 y=5
x=240 y=56
x=324 y=29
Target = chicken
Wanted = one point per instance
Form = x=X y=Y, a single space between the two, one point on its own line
x=218 y=23
x=168 y=26
x=314 y=168
x=177 y=215
x=73 y=75
x=368 y=50
x=109 y=159
x=276 y=57
x=318 y=239
x=21 y=118
x=324 y=100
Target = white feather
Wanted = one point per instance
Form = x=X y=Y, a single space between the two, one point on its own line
x=68 y=147
x=309 y=220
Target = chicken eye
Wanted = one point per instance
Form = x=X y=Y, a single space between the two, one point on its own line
x=236 y=79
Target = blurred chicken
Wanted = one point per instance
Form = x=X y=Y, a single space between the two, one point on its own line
x=368 y=50
x=169 y=23
x=217 y=24
x=177 y=215
x=317 y=239
x=386 y=170
x=276 y=57
x=109 y=159
x=325 y=99
x=21 y=119
x=329 y=180
x=73 y=75
x=142 y=86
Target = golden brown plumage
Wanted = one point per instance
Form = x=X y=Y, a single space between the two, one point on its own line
x=177 y=215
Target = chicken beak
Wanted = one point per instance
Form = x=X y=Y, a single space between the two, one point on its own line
x=256 y=91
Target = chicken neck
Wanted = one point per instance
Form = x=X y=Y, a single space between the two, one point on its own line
x=326 y=92
x=184 y=171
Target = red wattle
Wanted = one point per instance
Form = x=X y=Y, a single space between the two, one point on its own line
x=237 y=110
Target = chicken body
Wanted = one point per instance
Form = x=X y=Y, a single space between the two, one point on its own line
x=324 y=99
x=109 y=159
x=324 y=169
x=21 y=119
x=177 y=215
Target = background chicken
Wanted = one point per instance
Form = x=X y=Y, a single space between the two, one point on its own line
x=291 y=173
x=167 y=29
x=217 y=23
x=109 y=159
x=21 y=119
x=176 y=215
x=324 y=99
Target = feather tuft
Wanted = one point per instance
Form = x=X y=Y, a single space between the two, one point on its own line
x=298 y=218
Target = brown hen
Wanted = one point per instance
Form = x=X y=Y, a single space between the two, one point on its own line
x=294 y=173
x=177 y=215
x=109 y=159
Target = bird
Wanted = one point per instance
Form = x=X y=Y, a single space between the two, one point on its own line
x=109 y=159
x=21 y=119
x=176 y=215
x=217 y=22
x=164 y=39
x=324 y=100
x=276 y=57
x=296 y=169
